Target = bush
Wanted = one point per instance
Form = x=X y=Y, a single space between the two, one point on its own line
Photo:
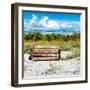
x=35 y=36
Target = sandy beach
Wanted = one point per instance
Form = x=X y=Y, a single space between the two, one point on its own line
x=45 y=69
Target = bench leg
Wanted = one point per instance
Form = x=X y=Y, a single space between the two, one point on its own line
x=30 y=57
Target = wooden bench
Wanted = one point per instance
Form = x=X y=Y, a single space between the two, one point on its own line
x=45 y=53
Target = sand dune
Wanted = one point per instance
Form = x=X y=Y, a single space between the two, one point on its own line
x=45 y=69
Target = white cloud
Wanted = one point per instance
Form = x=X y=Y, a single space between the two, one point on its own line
x=48 y=24
x=45 y=23
x=51 y=24
x=34 y=19
x=29 y=24
x=66 y=25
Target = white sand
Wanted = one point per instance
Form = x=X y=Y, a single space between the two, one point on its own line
x=45 y=69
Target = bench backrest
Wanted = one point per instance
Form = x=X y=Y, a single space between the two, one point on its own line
x=45 y=53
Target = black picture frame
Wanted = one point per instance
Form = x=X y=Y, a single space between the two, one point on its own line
x=14 y=43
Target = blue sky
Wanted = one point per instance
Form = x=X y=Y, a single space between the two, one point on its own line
x=47 y=23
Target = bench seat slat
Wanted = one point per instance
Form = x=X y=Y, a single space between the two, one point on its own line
x=45 y=58
x=45 y=55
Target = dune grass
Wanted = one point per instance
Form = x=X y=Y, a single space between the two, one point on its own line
x=73 y=46
x=64 y=45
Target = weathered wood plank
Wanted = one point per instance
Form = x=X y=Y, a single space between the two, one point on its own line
x=45 y=58
x=45 y=51
x=45 y=55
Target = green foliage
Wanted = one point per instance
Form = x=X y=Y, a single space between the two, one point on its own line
x=27 y=36
x=65 y=42
x=36 y=36
x=52 y=67
x=76 y=53
x=27 y=48
x=64 y=45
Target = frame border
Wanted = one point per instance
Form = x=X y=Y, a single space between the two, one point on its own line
x=14 y=44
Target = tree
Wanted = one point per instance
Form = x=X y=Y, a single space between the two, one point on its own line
x=36 y=36
x=27 y=36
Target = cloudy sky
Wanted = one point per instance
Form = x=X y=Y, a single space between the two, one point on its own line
x=47 y=23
